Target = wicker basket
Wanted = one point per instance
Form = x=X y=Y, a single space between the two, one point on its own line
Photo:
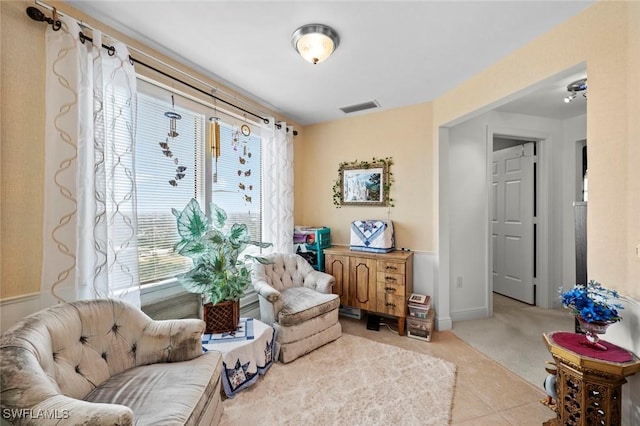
x=222 y=317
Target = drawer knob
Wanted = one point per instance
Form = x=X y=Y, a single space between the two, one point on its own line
x=393 y=268
x=390 y=305
x=390 y=279
x=389 y=289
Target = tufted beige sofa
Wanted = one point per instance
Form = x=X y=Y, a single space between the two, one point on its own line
x=104 y=362
x=297 y=301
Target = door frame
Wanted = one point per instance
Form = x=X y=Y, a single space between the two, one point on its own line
x=543 y=293
x=517 y=148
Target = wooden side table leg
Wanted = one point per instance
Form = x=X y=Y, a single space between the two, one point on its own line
x=401 y=322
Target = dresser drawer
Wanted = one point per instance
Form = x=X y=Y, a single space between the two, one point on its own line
x=391 y=304
x=391 y=287
x=388 y=278
x=393 y=267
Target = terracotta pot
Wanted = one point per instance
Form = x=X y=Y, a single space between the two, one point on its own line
x=222 y=317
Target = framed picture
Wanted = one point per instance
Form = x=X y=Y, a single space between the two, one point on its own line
x=364 y=184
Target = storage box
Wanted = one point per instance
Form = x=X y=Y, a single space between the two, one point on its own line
x=419 y=305
x=374 y=236
x=421 y=329
x=310 y=242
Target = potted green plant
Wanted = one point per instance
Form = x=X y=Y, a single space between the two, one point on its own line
x=218 y=273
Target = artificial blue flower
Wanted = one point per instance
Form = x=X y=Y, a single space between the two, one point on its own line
x=592 y=302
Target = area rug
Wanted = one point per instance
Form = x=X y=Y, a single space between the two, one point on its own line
x=352 y=381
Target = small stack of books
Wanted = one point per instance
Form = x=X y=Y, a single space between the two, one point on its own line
x=419 y=305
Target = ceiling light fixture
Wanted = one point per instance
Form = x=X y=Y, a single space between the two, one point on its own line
x=576 y=87
x=315 y=42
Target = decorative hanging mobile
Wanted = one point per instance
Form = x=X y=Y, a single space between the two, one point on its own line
x=244 y=158
x=173 y=117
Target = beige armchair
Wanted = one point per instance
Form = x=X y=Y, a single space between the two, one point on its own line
x=297 y=301
x=104 y=362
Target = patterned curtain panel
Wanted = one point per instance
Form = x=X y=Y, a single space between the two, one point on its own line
x=278 y=188
x=90 y=223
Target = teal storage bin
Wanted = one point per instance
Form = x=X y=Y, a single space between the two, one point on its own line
x=315 y=241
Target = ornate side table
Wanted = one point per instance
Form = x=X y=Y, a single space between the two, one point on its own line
x=589 y=381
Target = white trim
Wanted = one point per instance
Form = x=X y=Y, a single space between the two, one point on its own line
x=443 y=290
x=13 y=309
x=470 y=314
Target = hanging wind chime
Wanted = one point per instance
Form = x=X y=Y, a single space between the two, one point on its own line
x=173 y=117
x=214 y=143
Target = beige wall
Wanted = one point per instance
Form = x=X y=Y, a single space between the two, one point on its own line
x=606 y=37
x=22 y=149
x=404 y=135
x=22 y=131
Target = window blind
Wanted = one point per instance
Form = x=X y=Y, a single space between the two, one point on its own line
x=169 y=172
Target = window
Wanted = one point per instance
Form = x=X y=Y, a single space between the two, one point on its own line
x=237 y=182
x=173 y=168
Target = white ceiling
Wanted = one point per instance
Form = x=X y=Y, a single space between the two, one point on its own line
x=397 y=53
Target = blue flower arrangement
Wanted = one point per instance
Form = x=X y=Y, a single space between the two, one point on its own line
x=592 y=302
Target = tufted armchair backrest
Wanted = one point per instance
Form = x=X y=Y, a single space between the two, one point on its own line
x=285 y=271
x=73 y=347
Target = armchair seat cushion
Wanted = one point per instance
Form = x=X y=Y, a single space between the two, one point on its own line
x=167 y=393
x=302 y=304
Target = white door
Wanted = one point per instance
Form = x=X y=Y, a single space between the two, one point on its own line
x=512 y=219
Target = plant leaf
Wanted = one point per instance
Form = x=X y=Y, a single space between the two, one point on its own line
x=218 y=216
x=192 y=222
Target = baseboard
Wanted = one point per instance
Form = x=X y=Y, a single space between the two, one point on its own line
x=470 y=314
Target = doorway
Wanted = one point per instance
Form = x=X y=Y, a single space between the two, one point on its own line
x=465 y=222
x=513 y=218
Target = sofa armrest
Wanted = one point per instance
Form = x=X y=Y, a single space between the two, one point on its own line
x=170 y=341
x=265 y=290
x=319 y=281
x=63 y=410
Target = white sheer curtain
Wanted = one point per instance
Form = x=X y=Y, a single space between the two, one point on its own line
x=278 y=188
x=90 y=223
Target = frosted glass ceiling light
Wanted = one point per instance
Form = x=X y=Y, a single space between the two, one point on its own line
x=315 y=42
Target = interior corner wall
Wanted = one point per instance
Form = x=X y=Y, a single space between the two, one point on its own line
x=468 y=219
x=403 y=134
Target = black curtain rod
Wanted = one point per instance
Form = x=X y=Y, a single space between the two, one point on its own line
x=137 y=61
x=37 y=15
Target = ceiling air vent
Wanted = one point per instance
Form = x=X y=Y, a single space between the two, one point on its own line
x=360 y=107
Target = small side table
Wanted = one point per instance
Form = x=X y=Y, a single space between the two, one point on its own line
x=589 y=382
x=247 y=353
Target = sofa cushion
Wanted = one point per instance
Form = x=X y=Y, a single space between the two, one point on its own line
x=302 y=304
x=163 y=394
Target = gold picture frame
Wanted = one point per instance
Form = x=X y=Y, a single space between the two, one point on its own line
x=363 y=184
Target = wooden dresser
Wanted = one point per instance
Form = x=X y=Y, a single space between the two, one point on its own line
x=375 y=282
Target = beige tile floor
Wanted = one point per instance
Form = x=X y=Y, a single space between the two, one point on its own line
x=486 y=393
